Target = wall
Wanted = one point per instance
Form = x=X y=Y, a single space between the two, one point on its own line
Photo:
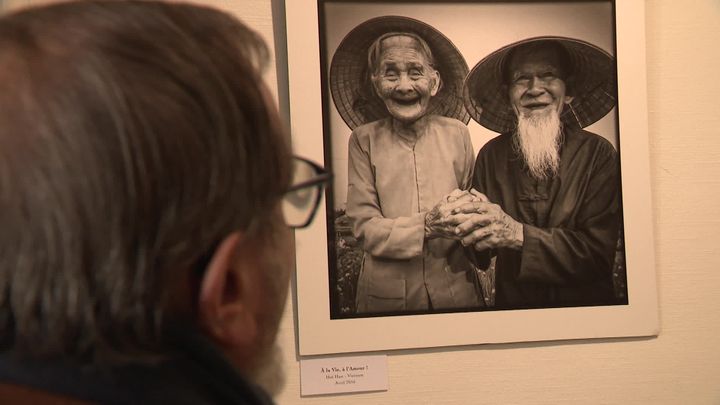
x=682 y=365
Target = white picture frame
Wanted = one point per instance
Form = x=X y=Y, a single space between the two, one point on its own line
x=319 y=334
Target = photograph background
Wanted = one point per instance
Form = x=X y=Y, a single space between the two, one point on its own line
x=319 y=333
x=477 y=29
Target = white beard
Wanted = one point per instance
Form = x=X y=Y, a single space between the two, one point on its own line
x=270 y=375
x=538 y=138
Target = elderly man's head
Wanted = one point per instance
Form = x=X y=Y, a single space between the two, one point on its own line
x=537 y=75
x=403 y=74
x=136 y=139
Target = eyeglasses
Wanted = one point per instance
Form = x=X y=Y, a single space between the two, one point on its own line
x=299 y=204
x=301 y=200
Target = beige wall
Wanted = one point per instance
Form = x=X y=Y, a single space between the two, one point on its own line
x=682 y=365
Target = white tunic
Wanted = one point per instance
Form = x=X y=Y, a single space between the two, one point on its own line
x=392 y=183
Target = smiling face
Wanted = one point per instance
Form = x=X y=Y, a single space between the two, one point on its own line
x=404 y=78
x=537 y=82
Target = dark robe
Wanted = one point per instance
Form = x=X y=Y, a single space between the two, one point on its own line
x=570 y=222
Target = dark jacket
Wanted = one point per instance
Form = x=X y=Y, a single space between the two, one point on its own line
x=570 y=222
x=199 y=375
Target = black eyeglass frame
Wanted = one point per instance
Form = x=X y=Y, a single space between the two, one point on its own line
x=322 y=177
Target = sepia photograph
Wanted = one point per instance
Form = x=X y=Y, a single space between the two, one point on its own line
x=476 y=154
x=537 y=191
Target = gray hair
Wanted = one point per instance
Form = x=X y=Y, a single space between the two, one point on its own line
x=133 y=137
x=375 y=50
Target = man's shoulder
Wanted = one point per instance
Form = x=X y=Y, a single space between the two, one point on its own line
x=587 y=139
x=500 y=142
x=584 y=135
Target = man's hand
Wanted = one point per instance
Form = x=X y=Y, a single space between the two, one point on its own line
x=438 y=223
x=485 y=225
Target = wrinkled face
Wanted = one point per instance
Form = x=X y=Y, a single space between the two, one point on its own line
x=404 y=79
x=536 y=83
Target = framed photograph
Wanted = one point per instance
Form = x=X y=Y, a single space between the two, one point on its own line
x=413 y=104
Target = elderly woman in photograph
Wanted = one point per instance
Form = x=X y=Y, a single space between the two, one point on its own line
x=408 y=150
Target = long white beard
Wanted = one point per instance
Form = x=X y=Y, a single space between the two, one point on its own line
x=538 y=139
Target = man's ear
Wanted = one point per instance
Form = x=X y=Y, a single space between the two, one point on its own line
x=505 y=89
x=224 y=311
x=437 y=83
x=569 y=89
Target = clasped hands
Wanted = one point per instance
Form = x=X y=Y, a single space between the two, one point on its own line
x=469 y=217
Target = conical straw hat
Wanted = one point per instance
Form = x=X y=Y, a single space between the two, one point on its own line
x=350 y=84
x=594 y=86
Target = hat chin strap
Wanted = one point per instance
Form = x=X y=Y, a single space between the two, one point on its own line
x=574 y=113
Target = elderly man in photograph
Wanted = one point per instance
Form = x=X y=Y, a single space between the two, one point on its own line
x=146 y=201
x=403 y=162
x=546 y=209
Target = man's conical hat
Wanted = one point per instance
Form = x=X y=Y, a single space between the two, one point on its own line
x=594 y=86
